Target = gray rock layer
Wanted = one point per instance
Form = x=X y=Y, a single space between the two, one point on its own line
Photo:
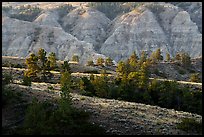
x=89 y=34
x=169 y=29
x=21 y=37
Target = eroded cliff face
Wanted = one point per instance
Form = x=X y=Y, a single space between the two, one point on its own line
x=49 y=18
x=21 y=37
x=89 y=34
x=195 y=11
x=161 y=26
x=86 y=24
x=135 y=32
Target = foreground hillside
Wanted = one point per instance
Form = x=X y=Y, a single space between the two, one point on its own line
x=113 y=107
x=116 y=117
x=88 y=31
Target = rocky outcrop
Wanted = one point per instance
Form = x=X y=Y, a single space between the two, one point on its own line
x=153 y=26
x=49 y=18
x=21 y=37
x=195 y=11
x=135 y=32
x=86 y=32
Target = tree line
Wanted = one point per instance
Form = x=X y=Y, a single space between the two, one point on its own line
x=131 y=82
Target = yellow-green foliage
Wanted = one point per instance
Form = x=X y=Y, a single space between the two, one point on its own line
x=195 y=77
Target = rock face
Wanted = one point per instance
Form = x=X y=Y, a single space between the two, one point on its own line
x=49 y=18
x=195 y=11
x=154 y=26
x=21 y=37
x=88 y=33
x=86 y=24
x=134 y=32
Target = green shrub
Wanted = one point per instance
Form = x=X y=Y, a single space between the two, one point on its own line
x=10 y=97
x=156 y=71
x=7 y=78
x=50 y=87
x=86 y=87
x=182 y=72
x=190 y=124
x=38 y=119
x=26 y=81
x=45 y=119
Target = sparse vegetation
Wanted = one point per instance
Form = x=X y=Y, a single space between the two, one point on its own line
x=75 y=58
x=156 y=56
x=26 y=81
x=26 y=13
x=100 y=62
x=182 y=72
x=7 y=78
x=39 y=66
x=90 y=63
x=8 y=96
x=185 y=60
x=109 y=62
x=53 y=111
x=50 y=87
x=114 y=9
x=65 y=67
x=195 y=77
x=64 y=10
x=130 y=84
x=168 y=58
x=190 y=124
x=52 y=60
x=42 y=118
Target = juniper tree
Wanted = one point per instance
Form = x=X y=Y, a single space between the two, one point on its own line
x=32 y=66
x=143 y=57
x=178 y=57
x=65 y=67
x=75 y=58
x=168 y=57
x=156 y=56
x=40 y=64
x=132 y=61
x=186 y=60
x=52 y=58
x=121 y=68
x=65 y=101
x=100 y=62
x=43 y=59
x=109 y=62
